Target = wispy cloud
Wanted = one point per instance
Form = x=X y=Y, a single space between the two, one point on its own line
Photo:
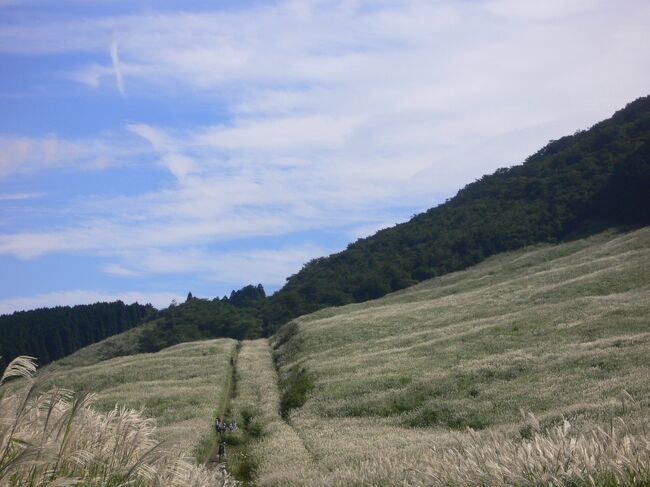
x=117 y=67
x=19 y=196
x=32 y=154
x=269 y=266
x=82 y=296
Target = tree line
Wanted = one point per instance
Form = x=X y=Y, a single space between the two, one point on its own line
x=51 y=333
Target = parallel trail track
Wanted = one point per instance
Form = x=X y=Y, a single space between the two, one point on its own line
x=223 y=410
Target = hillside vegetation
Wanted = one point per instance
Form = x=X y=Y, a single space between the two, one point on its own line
x=592 y=179
x=179 y=387
x=56 y=438
x=50 y=334
x=559 y=332
x=425 y=386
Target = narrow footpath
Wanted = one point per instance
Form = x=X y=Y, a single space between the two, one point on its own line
x=223 y=410
x=265 y=449
x=280 y=456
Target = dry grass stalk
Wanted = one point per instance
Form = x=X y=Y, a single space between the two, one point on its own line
x=594 y=457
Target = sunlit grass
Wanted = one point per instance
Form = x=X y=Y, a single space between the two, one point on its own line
x=180 y=387
x=276 y=453
x=56 y=438
x=558 y=331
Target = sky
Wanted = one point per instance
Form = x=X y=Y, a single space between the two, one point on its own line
x=149 y=149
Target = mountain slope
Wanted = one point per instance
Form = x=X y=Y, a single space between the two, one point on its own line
x=375 y=393
x=574 y=186
x=596 y=178
x=558 y=331
x=179 y=387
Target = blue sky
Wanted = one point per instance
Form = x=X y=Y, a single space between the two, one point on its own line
x=151 y=148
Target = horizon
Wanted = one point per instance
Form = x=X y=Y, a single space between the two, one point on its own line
x=149 y=153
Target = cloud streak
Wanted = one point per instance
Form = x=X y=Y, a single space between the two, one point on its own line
x=117 y=67
x=84 y=296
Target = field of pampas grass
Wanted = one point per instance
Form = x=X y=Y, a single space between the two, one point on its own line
x=277 y=455
x=56 y=438
x=426 y=386
x=560 y=457
x=180 y=387
x=619 y=456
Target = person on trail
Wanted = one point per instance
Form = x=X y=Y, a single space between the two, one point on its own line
x=217 y=425
x=222 y=450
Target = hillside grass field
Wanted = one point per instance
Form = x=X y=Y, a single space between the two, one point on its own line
x=558 y=332
x=181 y=387
x=530 y=368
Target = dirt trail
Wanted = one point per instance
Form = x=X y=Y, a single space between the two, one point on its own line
x=281 y=452
x=223 y=409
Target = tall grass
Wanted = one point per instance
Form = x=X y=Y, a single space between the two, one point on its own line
x=560 y=331
x=56 y=438
x=276 y=455
x=595 y=457
x=180 y=387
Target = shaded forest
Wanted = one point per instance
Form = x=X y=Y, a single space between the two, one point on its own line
x=51 y=333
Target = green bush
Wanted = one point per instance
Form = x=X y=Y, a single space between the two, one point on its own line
x=296 y=389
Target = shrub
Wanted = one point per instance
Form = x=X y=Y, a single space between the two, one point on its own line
x=298 y=385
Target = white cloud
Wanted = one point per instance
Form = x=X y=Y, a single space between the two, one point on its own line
x=117 y=68
x=29 y=154
x=81 y=296
x=15 y=152
x=19 y=196
x=118 y=270
x=267 y=266
x=337 y=113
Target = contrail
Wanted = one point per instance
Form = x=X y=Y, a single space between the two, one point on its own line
x=117 y=68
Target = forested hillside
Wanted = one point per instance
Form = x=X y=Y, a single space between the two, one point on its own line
x=589 y=180
x=239 y=316
x=52 y=333
x=574 y=186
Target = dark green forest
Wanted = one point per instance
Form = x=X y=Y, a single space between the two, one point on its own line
x=51 y=333
x=240 y=316
x=574 y=186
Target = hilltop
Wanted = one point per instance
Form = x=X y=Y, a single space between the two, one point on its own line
x=52 y=333
x=578 y=184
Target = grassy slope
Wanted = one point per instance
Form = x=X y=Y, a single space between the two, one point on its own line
x=180 y=387
x=560 y=331
x=119 y=345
